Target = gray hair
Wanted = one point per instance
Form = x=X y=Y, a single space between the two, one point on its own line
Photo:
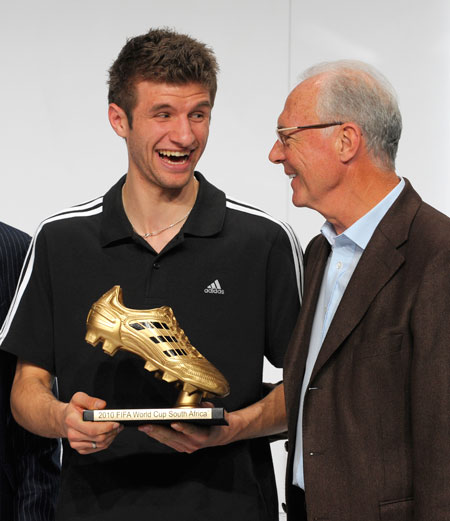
x=354 y=91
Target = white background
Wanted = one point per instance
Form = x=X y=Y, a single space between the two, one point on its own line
x=57 y=148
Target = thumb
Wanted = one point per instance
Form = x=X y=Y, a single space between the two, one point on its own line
x=84 y=401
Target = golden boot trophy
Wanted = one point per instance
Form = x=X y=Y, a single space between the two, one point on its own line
x=155 y=336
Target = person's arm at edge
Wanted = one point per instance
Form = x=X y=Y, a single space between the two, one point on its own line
x=37 y=467
x=263 y=418
x=36 y=408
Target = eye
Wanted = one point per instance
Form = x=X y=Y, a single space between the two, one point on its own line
x=285 y=138
x=162 y=115
x=198 y=116
x=293 y=137
x=201 y=114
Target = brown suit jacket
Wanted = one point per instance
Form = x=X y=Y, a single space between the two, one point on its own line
x=376 y=421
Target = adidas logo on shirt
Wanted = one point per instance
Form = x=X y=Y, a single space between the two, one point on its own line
x=214 y=288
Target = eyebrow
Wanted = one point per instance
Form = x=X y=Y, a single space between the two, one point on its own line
x=205 y=103
x=162 y=106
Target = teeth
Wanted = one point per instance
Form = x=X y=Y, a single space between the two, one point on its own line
x=291 y=176
x=173 y=153
x=175 y=157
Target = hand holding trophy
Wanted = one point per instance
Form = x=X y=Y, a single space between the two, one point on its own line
x=155 y=336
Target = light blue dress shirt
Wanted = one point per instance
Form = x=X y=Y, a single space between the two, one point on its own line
x=346 y=250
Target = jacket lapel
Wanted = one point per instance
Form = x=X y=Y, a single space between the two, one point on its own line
x=295 y=359
x=378 y=264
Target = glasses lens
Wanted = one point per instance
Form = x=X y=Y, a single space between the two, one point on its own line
x=280 y=136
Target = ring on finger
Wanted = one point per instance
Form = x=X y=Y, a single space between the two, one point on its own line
x=94 y=445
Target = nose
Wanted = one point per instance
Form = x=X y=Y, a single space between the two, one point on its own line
x=276 y=155
x=182 y=133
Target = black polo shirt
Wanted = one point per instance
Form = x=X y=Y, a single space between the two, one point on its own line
x=231 y=275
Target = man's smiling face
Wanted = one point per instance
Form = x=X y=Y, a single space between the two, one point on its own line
x=308 y=156
x=169 y=132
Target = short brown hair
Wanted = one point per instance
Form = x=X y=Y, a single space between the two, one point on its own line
x=162 y=56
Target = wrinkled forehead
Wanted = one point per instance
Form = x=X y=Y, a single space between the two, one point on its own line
x=300 y=106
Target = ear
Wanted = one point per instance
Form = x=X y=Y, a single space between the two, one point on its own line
x=118 y=120
x=349 y=141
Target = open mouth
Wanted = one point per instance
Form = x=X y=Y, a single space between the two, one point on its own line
x=174 y=157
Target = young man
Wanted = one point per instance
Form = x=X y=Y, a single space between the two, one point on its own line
x=166 y=236
x=367 y=373
x=29 y=465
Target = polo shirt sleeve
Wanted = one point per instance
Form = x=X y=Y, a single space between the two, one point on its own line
x=28 y=328
x=284 y=281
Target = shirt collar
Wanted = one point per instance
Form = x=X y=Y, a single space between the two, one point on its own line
x=362 y=230
x=206 y=217
x=208 y=214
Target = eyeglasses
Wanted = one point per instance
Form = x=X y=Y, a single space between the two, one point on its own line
x=282 y=138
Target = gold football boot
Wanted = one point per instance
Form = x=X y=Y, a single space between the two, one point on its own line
x=155 y=336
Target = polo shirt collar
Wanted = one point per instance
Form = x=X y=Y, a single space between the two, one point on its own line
x=206 y=218
x=208 y=214
x=115 y=224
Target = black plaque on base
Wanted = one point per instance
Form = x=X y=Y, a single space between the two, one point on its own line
x=199 y=416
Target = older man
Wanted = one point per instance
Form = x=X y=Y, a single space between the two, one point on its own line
x=367 y=373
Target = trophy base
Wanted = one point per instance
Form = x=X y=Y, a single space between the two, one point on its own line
x=133 y=417
x=189 y=400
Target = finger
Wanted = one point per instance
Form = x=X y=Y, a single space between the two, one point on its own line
x=84 y=401
x=88 y=446
x=101 y=428
x=90 y=429
x=109 y=437
x=169 y=437
x=106 y=438
x=191 y=430
x=155 y=431
x=187 y=430
x=75 y=435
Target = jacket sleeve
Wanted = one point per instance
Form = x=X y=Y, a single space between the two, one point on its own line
x=34 y=460
x=28 y=329
x=37 y=462
x=430 y=392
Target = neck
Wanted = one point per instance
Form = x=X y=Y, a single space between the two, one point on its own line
x=359 y=194
x=151 y=208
